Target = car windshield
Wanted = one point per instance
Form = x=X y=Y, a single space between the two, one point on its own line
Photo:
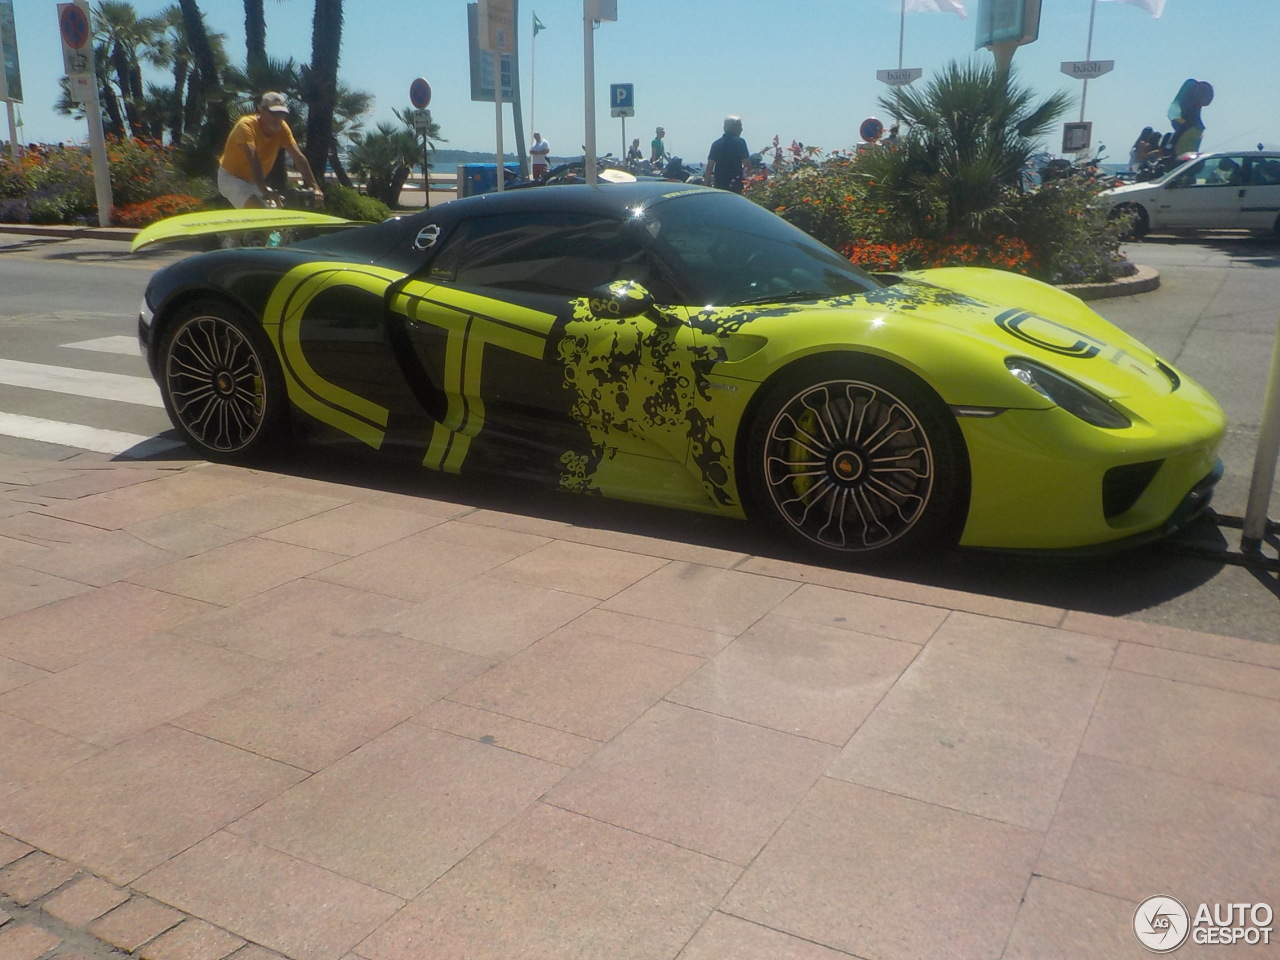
x=727 y=250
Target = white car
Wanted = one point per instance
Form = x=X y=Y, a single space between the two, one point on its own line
x=1213 y=191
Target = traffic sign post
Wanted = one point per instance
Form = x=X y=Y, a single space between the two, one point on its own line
x=420 y=96
x=76 y=31
x=622 y=103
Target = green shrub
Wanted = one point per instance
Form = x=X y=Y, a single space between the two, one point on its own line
x=340 y=201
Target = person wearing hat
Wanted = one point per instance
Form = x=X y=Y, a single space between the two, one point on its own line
x=252 y=150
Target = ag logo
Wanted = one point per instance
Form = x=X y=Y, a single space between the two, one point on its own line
x=427 y=237
x=1161 y=924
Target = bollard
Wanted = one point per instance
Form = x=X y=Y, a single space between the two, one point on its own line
x=1264 y=465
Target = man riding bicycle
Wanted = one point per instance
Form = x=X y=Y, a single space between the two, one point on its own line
x=252 y=149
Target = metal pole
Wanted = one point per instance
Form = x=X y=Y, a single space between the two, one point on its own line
x=426 y=173
x=1264 y=465
x=1088 y=55
x=902 y=29
x=588 y=93
x=501 y=174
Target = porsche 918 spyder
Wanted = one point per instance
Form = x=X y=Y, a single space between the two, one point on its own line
x=682 y=346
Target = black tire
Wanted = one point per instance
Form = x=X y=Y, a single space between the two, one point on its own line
x=1138 y=224
x=221 y=382
x=857 y=456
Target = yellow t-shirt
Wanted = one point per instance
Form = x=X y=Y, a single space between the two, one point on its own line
x=249 y=130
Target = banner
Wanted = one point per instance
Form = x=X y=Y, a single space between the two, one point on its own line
x=11 y=88
x=935 y=6
x=1153 y=7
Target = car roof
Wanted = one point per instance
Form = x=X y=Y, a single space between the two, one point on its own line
x=615 y=199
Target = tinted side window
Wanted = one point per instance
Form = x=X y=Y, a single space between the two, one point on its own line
x=554 y=254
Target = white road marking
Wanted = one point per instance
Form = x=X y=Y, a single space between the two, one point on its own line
x=81 y=383
x=86 y=438
x=121 y=344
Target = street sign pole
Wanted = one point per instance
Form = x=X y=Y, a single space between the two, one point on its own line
x=77 y=55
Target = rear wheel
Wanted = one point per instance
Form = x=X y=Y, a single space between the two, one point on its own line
x=220 y=382
x=1138 y=223
x=857 y=456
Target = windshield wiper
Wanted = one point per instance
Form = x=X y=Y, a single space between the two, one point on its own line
x=783 y=298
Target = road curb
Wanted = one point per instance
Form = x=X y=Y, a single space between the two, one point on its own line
x=1144 y=280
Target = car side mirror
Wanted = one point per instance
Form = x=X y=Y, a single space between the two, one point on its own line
x=621 y=299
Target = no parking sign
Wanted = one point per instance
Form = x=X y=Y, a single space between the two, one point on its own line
x=871 y=130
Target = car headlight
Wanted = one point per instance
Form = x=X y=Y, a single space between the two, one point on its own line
x=1067 y=394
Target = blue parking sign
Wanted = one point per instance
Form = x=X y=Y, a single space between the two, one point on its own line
x=622 y=96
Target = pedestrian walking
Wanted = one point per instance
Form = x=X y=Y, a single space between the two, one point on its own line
x=730 y=160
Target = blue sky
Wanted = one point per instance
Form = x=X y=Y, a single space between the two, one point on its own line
x=803 y=69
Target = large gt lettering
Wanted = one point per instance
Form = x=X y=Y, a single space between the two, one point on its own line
x=1049 y=334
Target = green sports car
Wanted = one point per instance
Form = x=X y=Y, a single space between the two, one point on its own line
x=682 y=346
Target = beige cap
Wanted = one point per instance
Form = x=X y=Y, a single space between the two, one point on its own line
x=275 y=102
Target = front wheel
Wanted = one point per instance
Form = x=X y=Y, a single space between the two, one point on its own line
x=858 y=456
x=220 y=382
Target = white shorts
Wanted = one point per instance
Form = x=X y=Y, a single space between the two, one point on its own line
x=236 y=190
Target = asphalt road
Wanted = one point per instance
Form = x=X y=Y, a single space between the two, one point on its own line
x=68 y=360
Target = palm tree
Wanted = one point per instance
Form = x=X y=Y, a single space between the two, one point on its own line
x=384 y=157
x=205 y=147
x=172 y=50
x=320 y=82
x=972 y=131
x=432 y=135
x=122 y=37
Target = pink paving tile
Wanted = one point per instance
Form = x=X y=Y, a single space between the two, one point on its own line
x=723 y=601
x=84 y=900
x=1189 y=730
x=134 y=806
x=89 y=482
x=237 y=571
x=192 y=940
x=554 y=884
x=416 y=568
x=259 y=510
x=293 y=621
x=920 y=593
x=1175 y=638
x=1133 y=833
x=531 y=739
x=666 y=549
x=31 y=877
x=131 y=688
x=32 y=752
x=145 y=501
x=270 y=898
x=15 y=674
x=653 y=633
x=26 y=941
x=797 y=677
x=11 y=850
x=24 y=589
x=509 y=543
x=134 y=922
x=582 y=684
x=1057 y=919
x=578 y=568
x=320 y=709
x=39 y=530
x=877 y=616
x=1206 y=671
x=707 y=783
x=724 y=937
x=402 y=810
x=112 y=555
x=887 y=877
x=490 y=617
x=988 y=720
x=57 y=635
x=352 y=529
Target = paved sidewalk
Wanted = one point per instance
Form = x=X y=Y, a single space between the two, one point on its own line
x=248 y=714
